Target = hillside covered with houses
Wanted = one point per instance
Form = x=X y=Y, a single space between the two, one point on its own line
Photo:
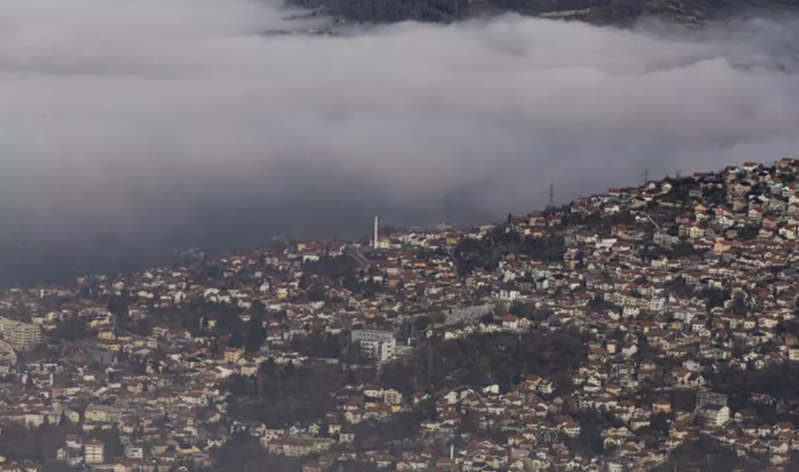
x=651 y=327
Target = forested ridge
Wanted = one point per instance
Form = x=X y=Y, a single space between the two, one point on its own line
x=619 y=12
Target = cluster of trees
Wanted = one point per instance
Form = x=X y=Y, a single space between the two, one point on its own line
x=519 y=309
x=597 y=221
x=73 y=328
x=547 y=248
x=788 y=327
x=243 y=453
x=484 y=359
x=681 y=249
x=778 y=381
x=422 y=322
x=706 y=454
x=715 y=297
x=323 y=345
x=529 y=311
x=680 y=189
x=111 y=441
x=249 y=336
x=19 y=443
x=230 y=329
x=354 y=282
x=401 y=426
x=285 y=394
x=473 y=253
x=748 y=232
x=592 y=423
x=332 y=267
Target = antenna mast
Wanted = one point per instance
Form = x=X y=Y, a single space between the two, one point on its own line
x=551 y=195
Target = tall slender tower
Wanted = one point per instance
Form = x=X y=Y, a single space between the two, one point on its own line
x=374 y=242
x=551 y=194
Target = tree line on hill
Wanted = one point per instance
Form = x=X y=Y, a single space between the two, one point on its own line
x=479 y=360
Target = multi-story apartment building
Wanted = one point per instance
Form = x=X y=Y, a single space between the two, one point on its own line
x=94 y=452
x=375 y=344
x=21 y=336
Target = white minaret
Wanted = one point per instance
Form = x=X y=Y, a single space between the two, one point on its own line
x=374 y=243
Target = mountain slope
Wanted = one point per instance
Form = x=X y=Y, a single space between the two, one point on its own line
x=593 y=11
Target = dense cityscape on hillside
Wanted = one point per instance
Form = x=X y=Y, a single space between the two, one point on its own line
x=650 y=327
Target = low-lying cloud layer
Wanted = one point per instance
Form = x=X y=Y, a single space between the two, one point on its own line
x=177 y=120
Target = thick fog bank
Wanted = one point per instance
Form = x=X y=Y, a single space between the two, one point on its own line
x=156 y=123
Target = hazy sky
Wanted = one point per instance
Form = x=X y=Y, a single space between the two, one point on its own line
x=140 y=120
